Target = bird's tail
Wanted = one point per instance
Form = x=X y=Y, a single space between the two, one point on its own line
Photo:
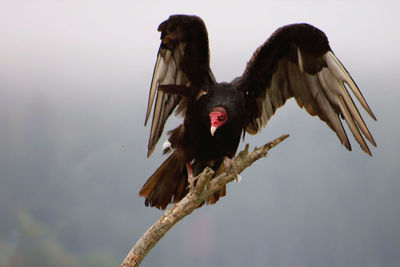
x=169 y=184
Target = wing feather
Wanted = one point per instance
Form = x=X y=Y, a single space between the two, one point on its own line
x=182 y=60
x=297 y=61
x=339 y=89
x=154 y=84
x=337 y=124
x=341 y=73
x=165 y=103
x=353 y=127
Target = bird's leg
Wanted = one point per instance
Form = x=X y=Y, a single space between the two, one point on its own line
x=230 y=166
x=191 y=178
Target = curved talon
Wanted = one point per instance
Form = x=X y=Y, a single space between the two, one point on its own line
x=191 y=181
x=230 y=167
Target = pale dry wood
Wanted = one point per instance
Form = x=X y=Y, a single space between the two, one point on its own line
x=204 y=187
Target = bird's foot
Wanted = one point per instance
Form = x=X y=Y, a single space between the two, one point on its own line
x=230 y=167
x=191 y=180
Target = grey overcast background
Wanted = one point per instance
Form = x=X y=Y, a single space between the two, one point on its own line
x=74 y=79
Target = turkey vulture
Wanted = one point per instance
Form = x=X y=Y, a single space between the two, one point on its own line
x=296 y=61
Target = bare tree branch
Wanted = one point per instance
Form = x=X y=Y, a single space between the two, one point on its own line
x=204 y=187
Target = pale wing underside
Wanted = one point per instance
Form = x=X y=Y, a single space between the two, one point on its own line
x=166 y=72
x=182 y=66
x=323 y=93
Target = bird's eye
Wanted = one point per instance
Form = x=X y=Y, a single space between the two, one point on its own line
x=221 y=117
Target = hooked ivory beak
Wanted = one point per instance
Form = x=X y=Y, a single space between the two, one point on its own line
x=213 y=129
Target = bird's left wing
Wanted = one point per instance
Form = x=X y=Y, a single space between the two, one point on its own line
x=297 y=61
x=182 y=61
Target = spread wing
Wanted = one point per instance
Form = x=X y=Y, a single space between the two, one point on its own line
x=297 y=61
x=182 y=61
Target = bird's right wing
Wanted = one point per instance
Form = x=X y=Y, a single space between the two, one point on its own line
x=182 y=60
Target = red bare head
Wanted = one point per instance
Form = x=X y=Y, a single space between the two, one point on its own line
x=218 y=117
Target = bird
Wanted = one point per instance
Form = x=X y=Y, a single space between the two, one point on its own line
x=295 y=61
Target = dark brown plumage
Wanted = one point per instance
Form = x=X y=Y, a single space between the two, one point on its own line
x=296 y=61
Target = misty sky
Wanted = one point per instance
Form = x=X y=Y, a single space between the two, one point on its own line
x=74 y=80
